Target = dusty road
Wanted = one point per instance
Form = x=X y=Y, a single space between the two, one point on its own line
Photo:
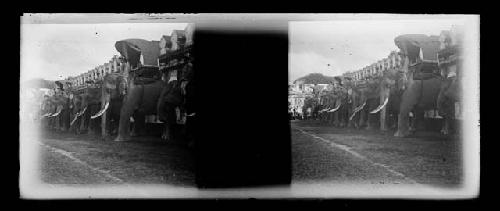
x=70 y=159
x=319 y=154
x=327 y=154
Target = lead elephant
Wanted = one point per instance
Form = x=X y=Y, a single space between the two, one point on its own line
x=141 y=100
x=140 y=59
x=421 y=84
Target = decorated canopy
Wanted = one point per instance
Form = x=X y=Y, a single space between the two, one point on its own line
x=132 y=49
x=414 y=44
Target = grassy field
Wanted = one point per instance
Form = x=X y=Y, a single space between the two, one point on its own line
x=144 y=161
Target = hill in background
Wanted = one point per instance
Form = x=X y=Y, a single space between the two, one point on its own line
x=315 y=78
x=39 y=83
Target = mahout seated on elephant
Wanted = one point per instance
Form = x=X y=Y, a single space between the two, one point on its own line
x=449 y=95
x=188 y=85
x=170 y=99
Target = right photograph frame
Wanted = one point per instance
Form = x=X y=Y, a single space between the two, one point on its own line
x=378 y=106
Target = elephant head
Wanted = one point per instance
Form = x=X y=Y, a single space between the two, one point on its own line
x=91 y=101
x=61 y=115
x=113 y=91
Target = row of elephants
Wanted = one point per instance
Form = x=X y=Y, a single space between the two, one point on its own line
x=107 y=107
x=398 y=97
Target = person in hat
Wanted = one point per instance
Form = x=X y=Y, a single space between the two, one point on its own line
x=170 y=98
x=188 y=90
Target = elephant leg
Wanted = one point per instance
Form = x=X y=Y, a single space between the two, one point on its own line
x=93 y=127
x=104 y=123
x=335 y=119
x=164 y=132
x=340 y=118
x=383 y=119
x=59 y=122
x=81 y=124
x=419 y=120
x=344 y=117
x=446 y=125
x=130 y=102
x=403 y=123
x=124 y=123
x=65 y=118
x=369 y=122
x=139 y=124
x=362 y=118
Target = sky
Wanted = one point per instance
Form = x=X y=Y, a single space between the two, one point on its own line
x=56 y=51
x=335 y=47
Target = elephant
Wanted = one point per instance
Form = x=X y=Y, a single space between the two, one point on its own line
x=113 y=90
x=144 y=84
x=141 y=100
x=91 y=104
x=421 y=86
x=75 y=110
x=340 y=105
x=47 y=109
x=391 y=89
x=325 y=101
x=309 y=105
x=60 y=117
x=364 y=96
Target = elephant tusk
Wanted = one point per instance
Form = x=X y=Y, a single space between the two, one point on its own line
x=56 y=114
x=359 y=108
x=47 y=114
x=356 y=110
x=81 y=112
x=352 y=116
x=76 y=117
x=101 y=111
x=335 y=109
x=380 y=107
